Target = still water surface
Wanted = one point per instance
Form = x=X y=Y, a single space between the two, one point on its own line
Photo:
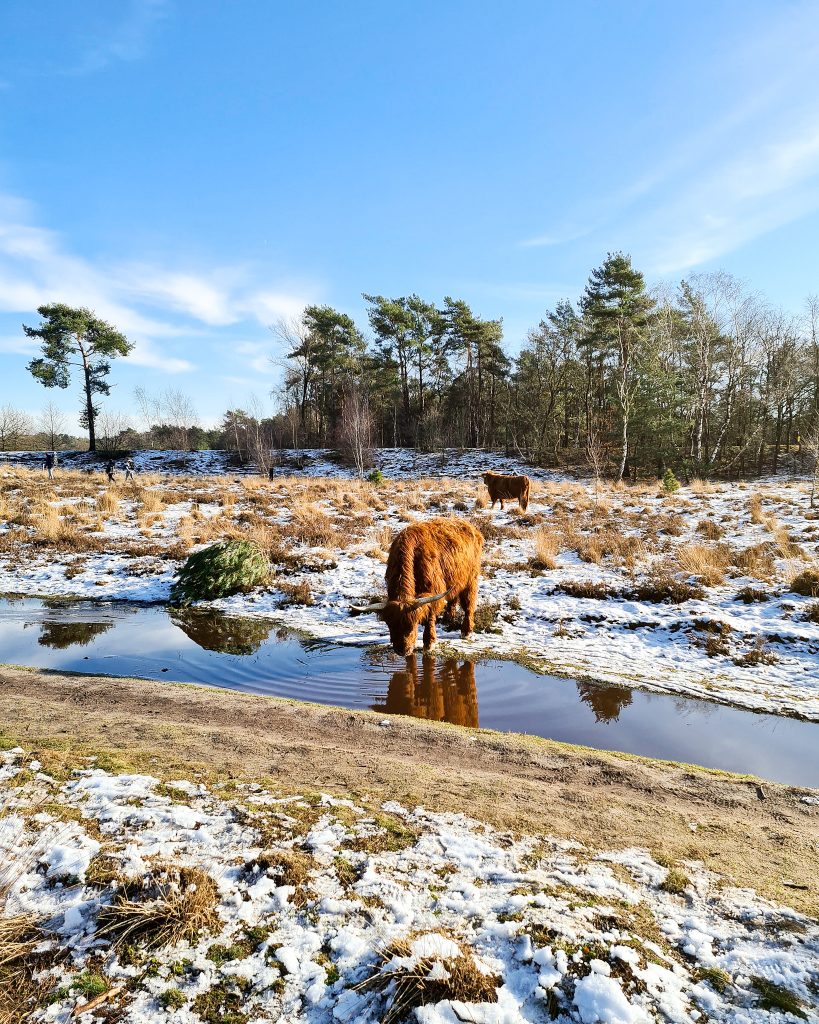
x=251 y=655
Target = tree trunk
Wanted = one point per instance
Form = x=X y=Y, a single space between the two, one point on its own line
x=89 y=403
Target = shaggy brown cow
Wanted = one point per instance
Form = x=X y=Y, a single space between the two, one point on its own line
x=504 y=488
x=432 y=565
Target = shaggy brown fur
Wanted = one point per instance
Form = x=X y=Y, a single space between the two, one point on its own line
x=504 y=488
x=436 y=556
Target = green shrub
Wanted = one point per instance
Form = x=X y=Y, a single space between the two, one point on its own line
x=670 y=482
x=229 y=567
x=676 y=882
x=172 y=999
x=376 y=477
x=777 y=997
x=89 y=984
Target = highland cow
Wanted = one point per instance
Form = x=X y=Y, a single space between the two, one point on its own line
x=505 y=488
x=432 y=566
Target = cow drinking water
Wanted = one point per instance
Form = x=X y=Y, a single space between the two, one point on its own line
x=432 y=565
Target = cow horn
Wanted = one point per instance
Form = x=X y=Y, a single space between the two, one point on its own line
x=428 y=600
x=379 y=606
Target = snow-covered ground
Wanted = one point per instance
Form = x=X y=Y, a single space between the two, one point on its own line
x=314 y=910
x=575 y=586
x=396 y=463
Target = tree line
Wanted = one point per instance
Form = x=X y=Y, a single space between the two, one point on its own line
x=704 y=377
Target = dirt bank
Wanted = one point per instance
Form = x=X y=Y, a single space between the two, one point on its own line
x=761 y=837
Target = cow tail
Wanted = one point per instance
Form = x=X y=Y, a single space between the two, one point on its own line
x=524 y=498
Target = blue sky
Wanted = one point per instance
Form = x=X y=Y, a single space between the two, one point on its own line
x=194 y=169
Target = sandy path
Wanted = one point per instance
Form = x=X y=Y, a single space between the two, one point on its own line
x=761 y=838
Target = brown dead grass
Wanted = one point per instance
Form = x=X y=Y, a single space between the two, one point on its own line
x=410 y=987
x=708 y=562
x=547 y=548
x=171 y=904
x=757 y=561
x=755 y=509
x=108 y=502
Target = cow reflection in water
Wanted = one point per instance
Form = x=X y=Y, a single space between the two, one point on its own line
x=443 y=691
x=605 y=701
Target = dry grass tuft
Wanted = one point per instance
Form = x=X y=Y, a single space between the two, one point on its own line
x=288 y=867
x=710 y=530
x=19 y=992
x=785 y=544
x=171 y=905
x=757 y=561
x=755 y=509
x=314 y=528
x=587 y=589
x=750 y=595
x=407 y=978
x=296 y=593
x=806 y=583
x=547 y=548
x=663 y=586
x=707 y=562
x=108 y=502
x=152 y=503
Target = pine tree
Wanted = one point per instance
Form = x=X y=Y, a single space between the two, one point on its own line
x=76 y=337
x=617 y=310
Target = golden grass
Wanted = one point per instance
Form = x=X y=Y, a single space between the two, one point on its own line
x=108 y=502
x=757 y=561
x=151 y=502
x=19 y=992
x=709 y=562
x=410 y=985
x=698 y=486
x=710 y=529
x=174 y=904
x=806 y=583
x=547 y=548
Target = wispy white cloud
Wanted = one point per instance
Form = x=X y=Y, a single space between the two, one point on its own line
x=751 y=166
x=156 y=307
x=127 y=40
x=558 y=236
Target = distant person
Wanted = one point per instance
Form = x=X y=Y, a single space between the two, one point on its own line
x=129 y=469
x=50 y=461
x=109 y=469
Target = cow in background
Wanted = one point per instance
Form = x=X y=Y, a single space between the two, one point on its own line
x=432 y=566
x=503 y=487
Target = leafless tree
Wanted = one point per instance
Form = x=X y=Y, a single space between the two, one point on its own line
x=810 y=446
x=171 y=408
x=110 y=425
x=299 y=359
x=596 y=459
x=52 y=422
x=259 y=437
x=14 y=426
x=356 y=427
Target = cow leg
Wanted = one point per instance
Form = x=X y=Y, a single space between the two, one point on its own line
x=468 y=599
x=501 y=503
x=430 y=635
